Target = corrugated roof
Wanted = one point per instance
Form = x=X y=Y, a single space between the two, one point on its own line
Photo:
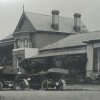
x=51 y=54
x=74 y=40
x=8 y=40
x=44 y=22
x=7 y=37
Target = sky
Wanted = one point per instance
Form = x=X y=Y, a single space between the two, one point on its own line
x=11 y=11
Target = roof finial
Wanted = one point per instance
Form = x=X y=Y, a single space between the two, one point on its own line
x=23 y=8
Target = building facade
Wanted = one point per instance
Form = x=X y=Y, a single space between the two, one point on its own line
x=35 y=31
x=80 y=53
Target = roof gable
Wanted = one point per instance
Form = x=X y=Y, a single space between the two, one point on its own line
x=24 y=25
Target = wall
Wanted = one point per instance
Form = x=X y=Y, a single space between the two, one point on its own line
x=22 y=53
x=18 y=53
x=44 y=39
x=29 y=52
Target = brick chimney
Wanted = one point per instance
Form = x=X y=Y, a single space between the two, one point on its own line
x=77 y=22
x=55 y=19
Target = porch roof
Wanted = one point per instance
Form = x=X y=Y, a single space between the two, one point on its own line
x=6 y=43
x=74 y=40
x=50 y=54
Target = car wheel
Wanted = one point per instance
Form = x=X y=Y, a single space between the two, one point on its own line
x=44 y=85
x=22 y=85
x=1 y=85
x=60 y=85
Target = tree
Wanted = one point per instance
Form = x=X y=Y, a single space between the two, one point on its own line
x=37 y=65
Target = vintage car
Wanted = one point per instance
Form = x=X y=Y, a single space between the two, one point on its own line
x=6 y=80
x=45 y=80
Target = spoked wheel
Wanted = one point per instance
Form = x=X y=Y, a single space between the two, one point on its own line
x=1 y=85
x=22 y=85
x=44 y=85
x=60 y=86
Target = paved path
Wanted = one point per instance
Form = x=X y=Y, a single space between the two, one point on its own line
x=92 y=87
x=77 y=92
x=50 y=95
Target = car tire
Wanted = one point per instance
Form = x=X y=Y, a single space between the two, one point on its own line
x=1 y=85
x=22 y=85
x=44 y=85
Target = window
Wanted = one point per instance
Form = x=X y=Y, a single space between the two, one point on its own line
x=17 y=43
x=18 y=61
x=27 y=43
x=23 y=43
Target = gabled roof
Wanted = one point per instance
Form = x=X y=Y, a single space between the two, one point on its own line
x=74 y=40
x=44 y=22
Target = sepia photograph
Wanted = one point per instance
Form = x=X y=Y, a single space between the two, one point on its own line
x=49 y=50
